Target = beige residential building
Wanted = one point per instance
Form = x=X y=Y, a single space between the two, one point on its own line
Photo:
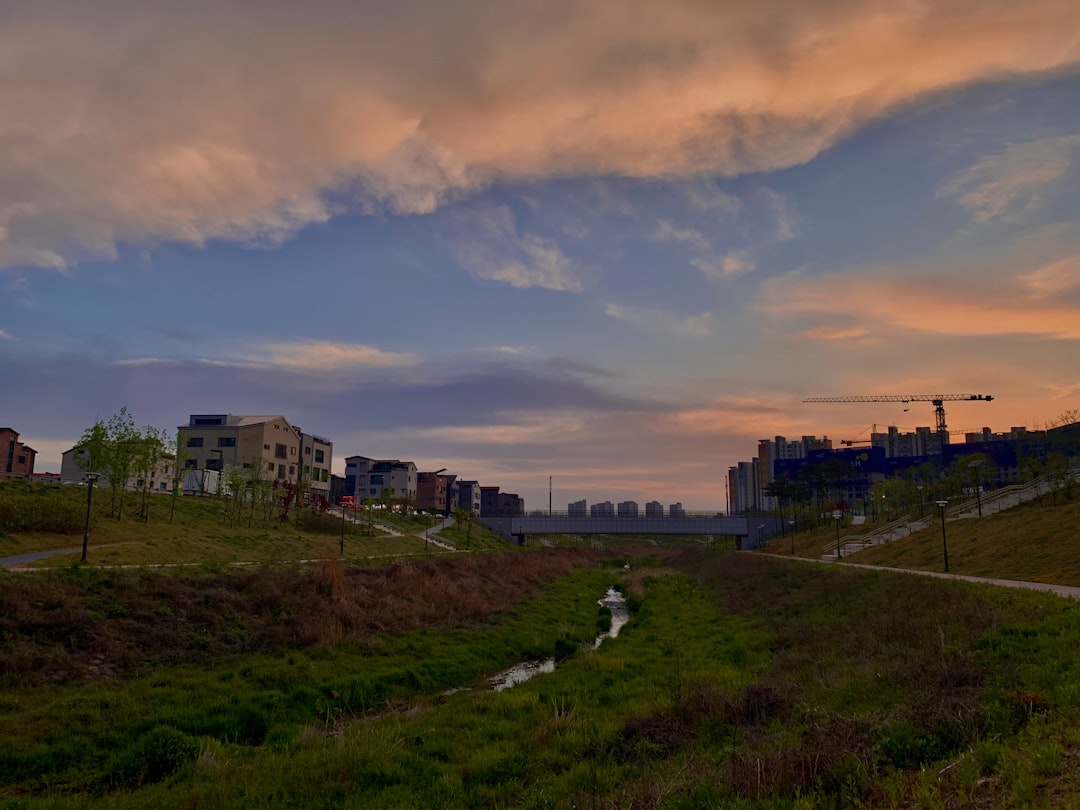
x=221 y=441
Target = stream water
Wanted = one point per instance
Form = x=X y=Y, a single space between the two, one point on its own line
x=519 y=673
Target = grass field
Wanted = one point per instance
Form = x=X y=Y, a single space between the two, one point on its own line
x=1040 y=543
x=740 y=681
x=192 y=531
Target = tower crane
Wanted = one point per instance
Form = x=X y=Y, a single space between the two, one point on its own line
x=938 y=401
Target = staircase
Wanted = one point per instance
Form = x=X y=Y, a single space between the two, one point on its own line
x=992 y=503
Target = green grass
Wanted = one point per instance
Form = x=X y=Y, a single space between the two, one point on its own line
x=741 y=681
x=1029 y=542
x=192 y=531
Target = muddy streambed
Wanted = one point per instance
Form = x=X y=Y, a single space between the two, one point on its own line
x=519 y=673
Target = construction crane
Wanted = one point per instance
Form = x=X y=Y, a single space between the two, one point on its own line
x=938 y=401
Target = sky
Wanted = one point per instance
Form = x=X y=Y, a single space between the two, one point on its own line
x=614 y=243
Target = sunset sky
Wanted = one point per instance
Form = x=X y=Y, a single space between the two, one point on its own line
x=611 y=242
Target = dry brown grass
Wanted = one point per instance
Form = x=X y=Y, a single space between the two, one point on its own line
x=84 y=624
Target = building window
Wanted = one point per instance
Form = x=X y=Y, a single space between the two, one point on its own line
x=307 y=451
x=325 y=475
x=270 y=466
x=21 y=459
x=266 y=447
x=319 y=456
x=226 y=441
x=292 y=451
x=292 y=470
x=279 y=451
x=280 y=470
x=372 y=492
x=194 y=441
x=307 y=470
x=247 y=465
x=190 y=464
x=376 y=480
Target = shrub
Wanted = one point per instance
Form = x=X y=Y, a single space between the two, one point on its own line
x=159 y=753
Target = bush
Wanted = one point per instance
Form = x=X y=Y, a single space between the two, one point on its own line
x=35 y=508
x=159 y=753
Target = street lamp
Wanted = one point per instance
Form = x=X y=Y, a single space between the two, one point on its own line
x=944 y=542
x=921 y=515
x=343 y=528
x=791 y=523
x=91 y=477
x=838 y=515
x=974 y=466
x=761 y=534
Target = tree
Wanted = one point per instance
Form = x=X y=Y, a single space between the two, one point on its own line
x=464 y=516
x=124 y=440
x=176 y=477
x=93 y=448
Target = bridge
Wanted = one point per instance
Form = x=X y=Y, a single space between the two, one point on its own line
x=750 y=532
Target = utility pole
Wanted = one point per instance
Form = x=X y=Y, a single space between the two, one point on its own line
x=549 y=496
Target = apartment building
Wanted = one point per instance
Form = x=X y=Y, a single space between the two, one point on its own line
x=602 y=509
x=317 y=453
x=469 y=496
x=500 y=504
x=654 y=509
x=431 y=491
x=16 y=458
x=577 y=509
x=627 y=509
x=367 y=478
x=220 y=441
x=776 y=449
x=676 y=510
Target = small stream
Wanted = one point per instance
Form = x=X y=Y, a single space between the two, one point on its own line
x=519 y=673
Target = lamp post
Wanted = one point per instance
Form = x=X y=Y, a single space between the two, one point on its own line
x=343 y=528
x=944 y=542
x=921 y=515
x=791 y=523
x=838 y=516
x=974 y=467
x=761 y=534
x=91 y=477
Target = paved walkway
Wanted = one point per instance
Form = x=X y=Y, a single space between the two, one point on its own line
x=22 y=559
x=1061 y=590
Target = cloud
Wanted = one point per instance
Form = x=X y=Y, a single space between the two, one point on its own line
x=488 y=245
x=189 y=122
x=323 y=356
x=666 y=231
x=787 y=218
x=939 y=301
x=836 y=333
x=301 y=356
x=696 y=326
x=704 y=196
x=5 y=336
x=1009 y=183
x=731 y=264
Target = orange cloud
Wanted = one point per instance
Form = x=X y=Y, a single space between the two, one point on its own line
x=197 y=121
x=893 y=300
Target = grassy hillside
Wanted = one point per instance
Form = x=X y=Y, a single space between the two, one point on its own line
x=741 y=681
x=1033 y=542
x=197 y=530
